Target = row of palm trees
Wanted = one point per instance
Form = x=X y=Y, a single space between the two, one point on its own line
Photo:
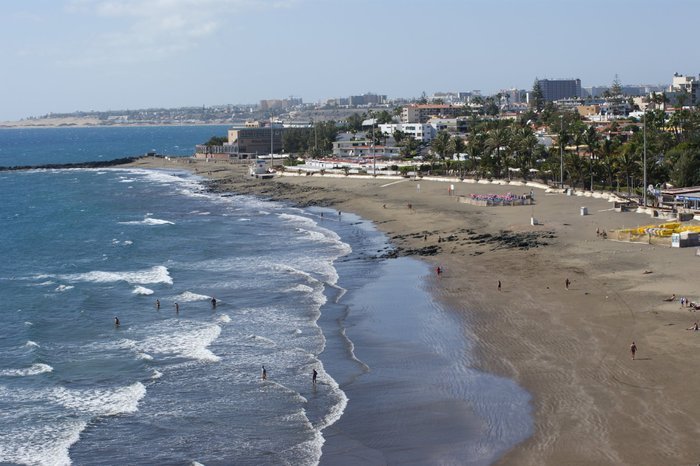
x=608 y=157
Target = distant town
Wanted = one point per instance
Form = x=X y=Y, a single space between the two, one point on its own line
x=563 y=92
x=631 y=138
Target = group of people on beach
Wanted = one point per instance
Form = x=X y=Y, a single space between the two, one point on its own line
x=314 y=375
x=213 y=302
x=683 y=301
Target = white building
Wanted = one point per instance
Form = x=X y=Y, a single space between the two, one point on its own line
x=422 y=132
x=686 y=85
x=451 y=125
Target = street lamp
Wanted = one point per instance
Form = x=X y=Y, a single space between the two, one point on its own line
x=561 y=151
x=644 y=158
x=374 y=155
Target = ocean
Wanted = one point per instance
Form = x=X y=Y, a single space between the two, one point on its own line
x=181 y=384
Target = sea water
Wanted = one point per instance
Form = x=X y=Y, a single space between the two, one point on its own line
x=166 y=386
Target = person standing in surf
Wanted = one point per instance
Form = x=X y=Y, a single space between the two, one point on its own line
x=315 y=374
x=264 y=373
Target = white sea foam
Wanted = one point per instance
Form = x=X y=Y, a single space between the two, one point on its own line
x=223 y=318
x=31 y=344
x=41 y=444
x=145 y=356
x=298 y=220
x=157 y=274
x=100 y=402
x=148 y=221
x=188 y=296
x=28 y=324
x=244 y=220
x=262 y=340
x=34 y=369
x=156 y=375
x=337 y=410
x=140 y=290
x=48 y=442
x=313 y=235
x=62 y=288
x=186 y=339
x=294 y=271
x=127 y=242
x=300 y=288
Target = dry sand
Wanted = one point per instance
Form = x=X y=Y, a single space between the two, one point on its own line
x=570 y=348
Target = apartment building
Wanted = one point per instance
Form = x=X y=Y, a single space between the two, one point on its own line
x=689 y=86
x=422 y=132
x=421 y=113
x=557 y=89
x=254 y=138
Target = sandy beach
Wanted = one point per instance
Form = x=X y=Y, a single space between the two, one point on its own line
x=570 y=349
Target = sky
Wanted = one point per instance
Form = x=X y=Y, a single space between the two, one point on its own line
x=69 y=55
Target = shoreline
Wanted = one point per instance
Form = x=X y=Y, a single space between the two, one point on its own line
x=569 y=348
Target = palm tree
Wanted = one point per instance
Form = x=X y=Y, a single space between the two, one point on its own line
x=593 y=141
x=607 y=159
x=456 y=146
x=497 y=138
x=627 y=161
x=575 y=167
x=525 y=143
x=439 y=146
x=475 y=146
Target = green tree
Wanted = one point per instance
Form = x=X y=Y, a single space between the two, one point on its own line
x=216 y=141
x=354 y=122
x=628 y=162
x=686 y=169
x=496 y=140
x=537 y=96
x=592 y=140
x=409 y=147
x=398 y=136
x=439 y=146
x=384 y=117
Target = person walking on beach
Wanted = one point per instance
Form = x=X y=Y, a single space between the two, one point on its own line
x=499 y=285
x=633 y=349
x=264 y=373
x=567 y=283
x=313 y=377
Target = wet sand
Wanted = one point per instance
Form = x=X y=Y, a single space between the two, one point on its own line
x=569 y=348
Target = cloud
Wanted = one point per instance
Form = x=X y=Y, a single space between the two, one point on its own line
x=148 y=30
